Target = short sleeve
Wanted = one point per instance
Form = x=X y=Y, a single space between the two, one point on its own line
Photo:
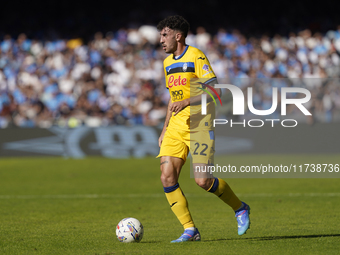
x=203 y=68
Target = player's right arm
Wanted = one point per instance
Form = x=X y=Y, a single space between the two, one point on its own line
x=166 y=123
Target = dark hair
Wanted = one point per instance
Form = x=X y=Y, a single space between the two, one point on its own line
x=175 y=22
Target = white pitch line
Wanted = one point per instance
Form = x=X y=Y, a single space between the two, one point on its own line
x=157 y=195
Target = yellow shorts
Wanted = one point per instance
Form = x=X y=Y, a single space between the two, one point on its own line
x=177 y=143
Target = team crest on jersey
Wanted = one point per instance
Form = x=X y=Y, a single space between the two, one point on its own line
x=205 y=67
x=185 y=66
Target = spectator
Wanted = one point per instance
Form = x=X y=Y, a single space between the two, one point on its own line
x=118 y=78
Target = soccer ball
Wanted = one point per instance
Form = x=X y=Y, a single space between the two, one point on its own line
x=129 y=230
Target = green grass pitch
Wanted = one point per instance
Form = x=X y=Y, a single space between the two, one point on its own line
x=69 y=206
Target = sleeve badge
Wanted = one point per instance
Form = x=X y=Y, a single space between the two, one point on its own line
x=205 y=67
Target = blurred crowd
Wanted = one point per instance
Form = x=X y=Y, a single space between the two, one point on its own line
x=117 y=78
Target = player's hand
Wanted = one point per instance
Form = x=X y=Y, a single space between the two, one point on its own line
x=176 y=107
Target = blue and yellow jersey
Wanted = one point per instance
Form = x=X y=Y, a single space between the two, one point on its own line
x=191 y=64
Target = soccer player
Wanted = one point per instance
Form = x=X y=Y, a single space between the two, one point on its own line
x=187 y=63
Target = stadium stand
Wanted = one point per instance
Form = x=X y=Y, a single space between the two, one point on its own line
x=117 y=78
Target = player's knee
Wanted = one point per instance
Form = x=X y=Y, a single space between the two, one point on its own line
x=168 y=179
x=204 y=183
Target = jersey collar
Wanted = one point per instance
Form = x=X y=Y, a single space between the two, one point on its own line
x=180 y=56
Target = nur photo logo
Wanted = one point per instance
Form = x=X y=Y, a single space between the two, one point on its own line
x=301 y=96
x=204 y=97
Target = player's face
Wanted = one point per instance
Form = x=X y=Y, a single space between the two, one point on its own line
x=168 y=40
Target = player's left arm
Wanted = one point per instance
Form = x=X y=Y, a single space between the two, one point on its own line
x=204 y=72
x=196 y=100
x=178 y=106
